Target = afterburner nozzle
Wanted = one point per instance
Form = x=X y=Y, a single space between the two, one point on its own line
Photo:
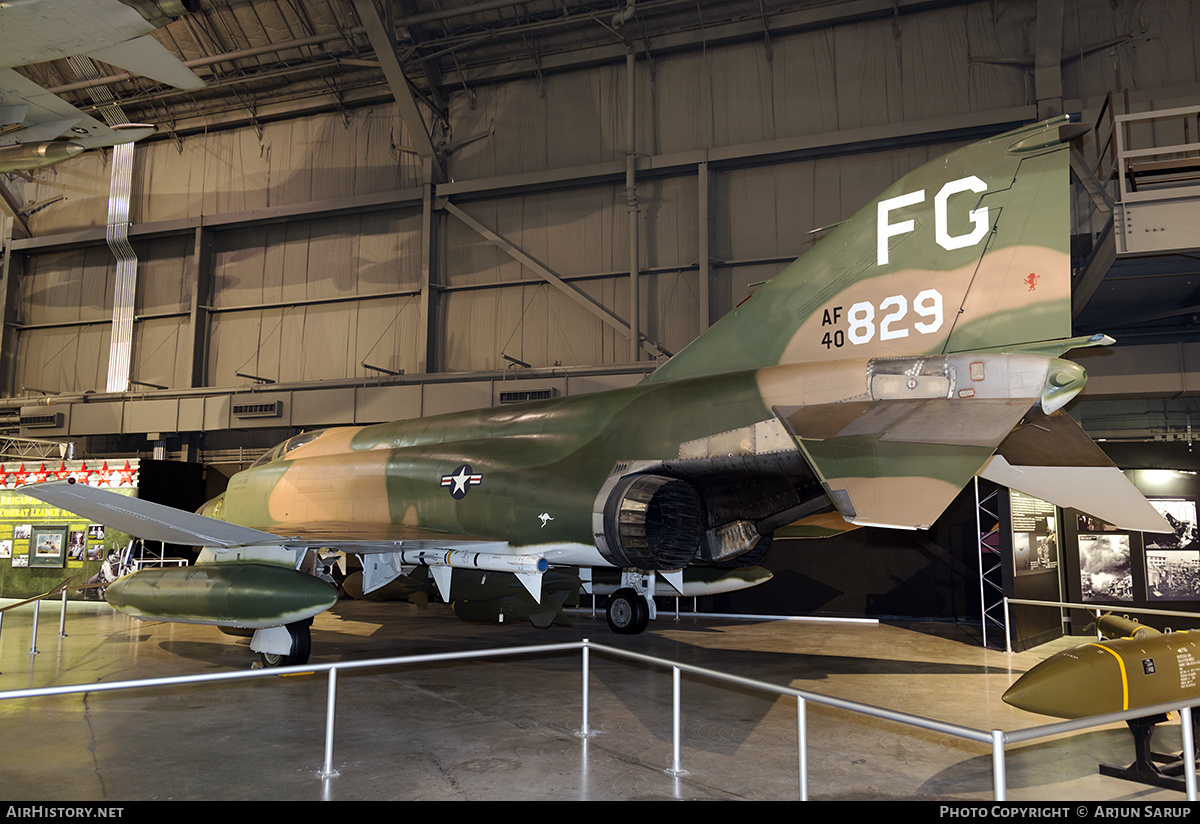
x=1064 y=380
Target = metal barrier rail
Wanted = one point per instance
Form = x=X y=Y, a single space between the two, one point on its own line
x=1093 y=608
x=37 y=609
x=996 y=739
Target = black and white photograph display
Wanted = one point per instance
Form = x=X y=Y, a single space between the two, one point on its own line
x=1172 y=574
x=1105 y=573
x=1181 y=515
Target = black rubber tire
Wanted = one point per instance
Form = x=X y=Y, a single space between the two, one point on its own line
x=301 y=648
x=628 y=613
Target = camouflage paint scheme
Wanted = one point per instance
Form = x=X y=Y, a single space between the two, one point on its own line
x=250 y=595
x=867 y=383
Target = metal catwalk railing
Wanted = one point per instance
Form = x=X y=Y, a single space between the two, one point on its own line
x=996 y=740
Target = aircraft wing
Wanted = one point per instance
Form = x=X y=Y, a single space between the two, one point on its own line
x=28 y=110
x=392 y=550
x=116 y=32
x=146 y=519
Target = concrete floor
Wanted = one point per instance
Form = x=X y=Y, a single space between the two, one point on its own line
x=505 y=729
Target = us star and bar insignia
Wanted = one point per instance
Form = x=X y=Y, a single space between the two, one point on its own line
x=461 y=480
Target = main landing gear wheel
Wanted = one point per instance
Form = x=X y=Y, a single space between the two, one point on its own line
x=628 y=612
x=301 y=647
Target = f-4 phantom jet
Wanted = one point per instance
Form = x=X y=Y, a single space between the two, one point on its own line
x=915 y=347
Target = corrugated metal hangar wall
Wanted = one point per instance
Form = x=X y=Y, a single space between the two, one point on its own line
x=298 y=250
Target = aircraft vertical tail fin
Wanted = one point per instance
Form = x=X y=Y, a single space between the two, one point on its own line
x=968 y=252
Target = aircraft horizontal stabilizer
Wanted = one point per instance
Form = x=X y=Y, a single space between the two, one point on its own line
x=900 y=463
x=1054 y=459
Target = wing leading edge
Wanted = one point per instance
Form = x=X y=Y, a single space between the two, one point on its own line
x=146 y=519
x=156 y=522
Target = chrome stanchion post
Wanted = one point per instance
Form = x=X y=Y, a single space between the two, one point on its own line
x=802 y=744
x=33 y=650
x=583 y=730
x=328 y=771
x=1189 y=751
x=676 y=767
x=998 y=779
x=62 y=617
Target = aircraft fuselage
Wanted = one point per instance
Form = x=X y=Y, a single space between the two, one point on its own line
x=490 y=473
x=547 y=472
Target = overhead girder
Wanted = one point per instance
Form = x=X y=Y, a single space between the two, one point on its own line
x=10 y=207
x=474 y=52
x=410 y=113
x=551 y=277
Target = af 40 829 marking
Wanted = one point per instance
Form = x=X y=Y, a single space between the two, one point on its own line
x=895 y=323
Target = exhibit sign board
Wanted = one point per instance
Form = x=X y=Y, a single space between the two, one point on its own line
x=41 y=545
x=1035 y=534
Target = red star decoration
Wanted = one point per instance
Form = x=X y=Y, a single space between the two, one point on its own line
x=4 y=475
x=41 y=476
x=21 y=475
x=81 y=474
x=62 y=473
x=126 y=475
x=104 y=476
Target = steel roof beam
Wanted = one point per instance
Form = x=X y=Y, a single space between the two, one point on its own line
x=410 y=113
